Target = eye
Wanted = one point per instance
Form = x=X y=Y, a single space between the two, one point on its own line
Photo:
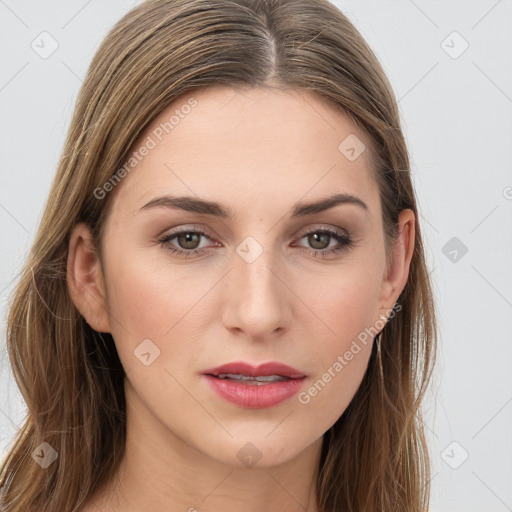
x=320 y=240
x=189 y=242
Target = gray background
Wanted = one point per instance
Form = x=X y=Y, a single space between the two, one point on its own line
x=456 y=110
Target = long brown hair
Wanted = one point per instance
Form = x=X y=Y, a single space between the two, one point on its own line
x=375 y=456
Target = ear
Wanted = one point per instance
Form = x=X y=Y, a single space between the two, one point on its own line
x=85 y=279
x=396 y=275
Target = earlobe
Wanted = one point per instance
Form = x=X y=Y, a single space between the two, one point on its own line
x=85 y=279
x=395 y=280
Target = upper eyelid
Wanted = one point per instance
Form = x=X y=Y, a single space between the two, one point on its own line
x=194 y=228
x=197 y=227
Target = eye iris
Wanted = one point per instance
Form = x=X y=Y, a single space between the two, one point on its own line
x=319 y=240
x=184 y=240
x=313 y=239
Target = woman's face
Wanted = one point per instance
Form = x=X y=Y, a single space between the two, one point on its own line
x=266 y=282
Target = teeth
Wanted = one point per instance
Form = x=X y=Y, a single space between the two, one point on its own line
x=245 y=378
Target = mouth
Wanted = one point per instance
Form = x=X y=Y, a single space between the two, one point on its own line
x=263 y=373
x=259 y=380
x=255 y=387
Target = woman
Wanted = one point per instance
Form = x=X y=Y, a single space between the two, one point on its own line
x=226 y=306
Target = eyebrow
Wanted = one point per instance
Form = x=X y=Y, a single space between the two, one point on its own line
x=192 y=204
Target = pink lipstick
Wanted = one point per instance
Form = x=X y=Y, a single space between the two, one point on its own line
x=255 y=387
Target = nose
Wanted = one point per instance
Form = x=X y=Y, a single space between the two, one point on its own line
x=257 y=299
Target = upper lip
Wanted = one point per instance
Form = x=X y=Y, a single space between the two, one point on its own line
x=262 y=370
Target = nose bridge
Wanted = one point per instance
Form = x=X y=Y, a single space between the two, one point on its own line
x=256 y=295
x=255 y=267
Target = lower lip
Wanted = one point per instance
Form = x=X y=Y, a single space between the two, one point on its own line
x=254 y=396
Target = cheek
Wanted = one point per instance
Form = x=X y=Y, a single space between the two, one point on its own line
x=331 y=391
x=344 y=304
x=140 y=297
x=148 y=295
x=344 y=310
x=339 y=368
x=151 y=300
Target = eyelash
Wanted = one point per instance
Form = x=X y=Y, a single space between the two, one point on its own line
x=345 y=241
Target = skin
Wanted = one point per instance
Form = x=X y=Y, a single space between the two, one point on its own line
x=268 y=149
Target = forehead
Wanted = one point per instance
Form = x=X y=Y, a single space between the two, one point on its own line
x=261 y=144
